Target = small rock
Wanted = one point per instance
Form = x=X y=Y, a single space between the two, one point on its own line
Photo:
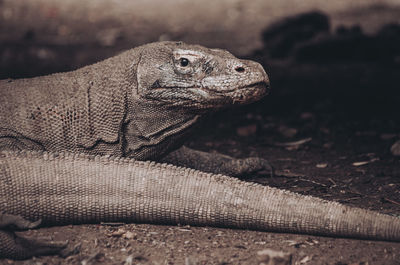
x=307 y=116
x=184 y=230
x=287 y=132
x=366 y=133
x=273 y=257
x=247 y=130
x=240 y=246
x=129 y=260
x=388 y=136
x=292 y=243
x=324 y=130
x=305 y=260
x=395 y=149
x=311 y=242
x=129 y=235
x=94 y=259
x=361 y=163
x=294 y=145
x=190 y=261
x=118 y=233
x=321 y=165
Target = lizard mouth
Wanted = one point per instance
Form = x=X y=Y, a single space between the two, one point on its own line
x=256 y=85
x=206 y=98
x=249 y=93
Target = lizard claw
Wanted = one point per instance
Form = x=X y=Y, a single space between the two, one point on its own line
x=17 y=247
x=36 y=247
x=17 y=221
x=245 y=166
x=218 y=163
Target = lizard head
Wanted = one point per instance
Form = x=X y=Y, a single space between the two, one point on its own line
x=192 y=76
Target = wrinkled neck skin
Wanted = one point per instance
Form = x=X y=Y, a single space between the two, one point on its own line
x=151 y=131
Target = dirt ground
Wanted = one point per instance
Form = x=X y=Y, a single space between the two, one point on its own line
x=327 y=128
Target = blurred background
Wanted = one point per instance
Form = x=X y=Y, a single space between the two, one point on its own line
x=337 y=57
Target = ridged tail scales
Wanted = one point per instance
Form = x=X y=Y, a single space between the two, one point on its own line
x=75 y=188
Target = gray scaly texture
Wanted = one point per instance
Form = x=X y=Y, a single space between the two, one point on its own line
x=121 y=189
x=71 y=145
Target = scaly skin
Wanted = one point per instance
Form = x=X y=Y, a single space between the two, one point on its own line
x=121 y=189
x=141 y=105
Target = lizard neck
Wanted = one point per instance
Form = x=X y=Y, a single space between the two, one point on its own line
x=151 y=131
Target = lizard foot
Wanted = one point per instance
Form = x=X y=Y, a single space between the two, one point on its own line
x=17 y=221
x=246 y=166
x=17 y=247
x=218 y=163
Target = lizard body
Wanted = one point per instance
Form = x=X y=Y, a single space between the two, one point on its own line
x=141 y=105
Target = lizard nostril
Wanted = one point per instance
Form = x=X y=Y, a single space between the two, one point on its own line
x=239 y=69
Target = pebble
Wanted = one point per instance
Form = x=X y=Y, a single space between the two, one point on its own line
x=273 y=257
x=395 y=149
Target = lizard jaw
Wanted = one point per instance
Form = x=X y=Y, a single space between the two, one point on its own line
x=237 y=96
x=202 y=98
x=249 y=94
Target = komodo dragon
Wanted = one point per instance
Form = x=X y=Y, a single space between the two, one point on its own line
x=74 y=144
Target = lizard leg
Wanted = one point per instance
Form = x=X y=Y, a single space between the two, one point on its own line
x=13 y=246
x=217 y=163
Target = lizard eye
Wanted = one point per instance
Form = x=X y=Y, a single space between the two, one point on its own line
x=184 y=62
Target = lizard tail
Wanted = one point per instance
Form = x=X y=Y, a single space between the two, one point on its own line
x=70 y=188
